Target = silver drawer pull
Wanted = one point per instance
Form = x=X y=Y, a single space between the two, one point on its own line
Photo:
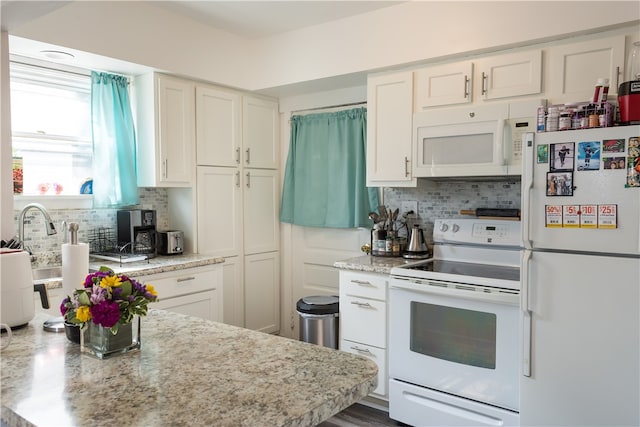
x=362 y=283
x=186 y=279
x=362 y=304
x=361 y=350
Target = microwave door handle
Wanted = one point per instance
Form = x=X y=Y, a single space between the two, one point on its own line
x=526 y=315
x=500 y=141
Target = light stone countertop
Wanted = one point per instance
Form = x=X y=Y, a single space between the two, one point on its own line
x=188 y=372
x=372 y=264
x=156 y=265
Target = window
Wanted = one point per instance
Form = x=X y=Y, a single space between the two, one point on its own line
x=51 y=126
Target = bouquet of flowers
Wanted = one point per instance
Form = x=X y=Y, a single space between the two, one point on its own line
x=108 y=299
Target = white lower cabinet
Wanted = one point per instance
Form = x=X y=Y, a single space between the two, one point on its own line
x=193 y=291
x=262 y=292
x=363 y=320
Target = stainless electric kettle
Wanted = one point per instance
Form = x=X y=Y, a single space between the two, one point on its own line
x=417 y=247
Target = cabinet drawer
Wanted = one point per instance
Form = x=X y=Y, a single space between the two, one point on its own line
x=363 y=320
x=378 y=355
x=184 y=282
x=364 y=285
x=204 y=305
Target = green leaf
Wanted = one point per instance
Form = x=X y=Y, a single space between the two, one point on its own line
x=83 y=298
x=126 y=289
x=104 y=269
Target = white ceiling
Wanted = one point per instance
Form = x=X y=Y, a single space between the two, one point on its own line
x=249 y=19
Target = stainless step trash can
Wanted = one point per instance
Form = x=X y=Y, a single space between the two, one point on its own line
x=319 y=320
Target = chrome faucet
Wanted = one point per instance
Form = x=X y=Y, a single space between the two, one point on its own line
x=51 y=229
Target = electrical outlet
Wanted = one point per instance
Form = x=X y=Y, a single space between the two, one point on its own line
x=409 y=205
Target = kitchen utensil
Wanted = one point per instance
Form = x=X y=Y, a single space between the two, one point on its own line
x=374 y=217
x=383 y=212
x=493 y=213
x=417 y=247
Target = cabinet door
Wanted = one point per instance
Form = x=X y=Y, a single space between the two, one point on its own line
x=262 y=292
x=575 y=68
x=218 y=127
x=389 y=132
x=261 y=211
x=515 y=74
x=447 y=84
x=233 y=291
x=175 y=127
x=260 y=133
x=219 y=211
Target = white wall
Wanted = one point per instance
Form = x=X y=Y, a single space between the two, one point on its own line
x=7 y=226
x=410 y=32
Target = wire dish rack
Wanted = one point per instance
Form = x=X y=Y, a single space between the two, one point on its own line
x=103 y=244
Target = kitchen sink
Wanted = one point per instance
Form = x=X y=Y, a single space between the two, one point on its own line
x=47 y=273
x=50 y=273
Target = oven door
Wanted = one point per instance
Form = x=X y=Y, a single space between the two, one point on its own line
x=456 y=338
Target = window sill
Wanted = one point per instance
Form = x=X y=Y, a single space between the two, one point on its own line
x=54 y=202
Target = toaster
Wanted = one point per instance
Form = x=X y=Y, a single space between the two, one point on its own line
x=170 y=242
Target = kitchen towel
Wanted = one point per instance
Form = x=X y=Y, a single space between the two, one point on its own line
x=75 y=266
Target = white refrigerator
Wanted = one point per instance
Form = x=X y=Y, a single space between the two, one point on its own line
x=580 y=299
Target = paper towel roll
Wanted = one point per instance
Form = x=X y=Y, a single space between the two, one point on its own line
x=75 y=266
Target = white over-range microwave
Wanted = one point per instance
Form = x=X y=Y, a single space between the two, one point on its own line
x=472 y=141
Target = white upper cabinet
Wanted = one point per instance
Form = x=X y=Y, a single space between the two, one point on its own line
x=218 y=127
x=575 y=68
x=515 y=74
x=389 y=130
x=261 y=207
x=260 y=133
x=165 y=118
x=219 y=206
x=447 y=84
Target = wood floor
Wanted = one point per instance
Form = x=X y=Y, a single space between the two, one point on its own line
x=358 y=415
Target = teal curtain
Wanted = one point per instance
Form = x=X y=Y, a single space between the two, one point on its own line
x=324 y=183
x=114 y=142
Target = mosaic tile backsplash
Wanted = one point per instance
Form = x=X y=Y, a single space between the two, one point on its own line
x=436 y=199
x=47 y=249
x=445 y=198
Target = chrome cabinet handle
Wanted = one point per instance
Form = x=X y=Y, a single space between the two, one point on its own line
x=248 y=180
x=237 y=179
x=238 y=155
x=617 y=78
x=406 y=166
x=466 y=86
x=362 y=304
x=248 y=151
x=362 y=283
x=185 y=279
x=485 y=77
x=361 y=350
x=164 y=168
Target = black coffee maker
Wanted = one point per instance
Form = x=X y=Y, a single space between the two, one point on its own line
x=137 y=231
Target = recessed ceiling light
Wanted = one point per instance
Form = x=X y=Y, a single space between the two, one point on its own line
x=57 y=54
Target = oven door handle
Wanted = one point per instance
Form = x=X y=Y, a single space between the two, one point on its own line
x=477 y=293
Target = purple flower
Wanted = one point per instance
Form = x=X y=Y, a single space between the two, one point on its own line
x=107 y=313
x=63 y=306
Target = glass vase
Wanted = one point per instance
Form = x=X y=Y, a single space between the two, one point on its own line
x=98 y=341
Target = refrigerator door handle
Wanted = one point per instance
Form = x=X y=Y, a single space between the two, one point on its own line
x=528 y=161
x=526 y=315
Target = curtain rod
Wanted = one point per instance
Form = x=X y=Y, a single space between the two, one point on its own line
x=330 y=106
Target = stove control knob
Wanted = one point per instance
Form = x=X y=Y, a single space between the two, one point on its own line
x=455 y=228
x=444 y=227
